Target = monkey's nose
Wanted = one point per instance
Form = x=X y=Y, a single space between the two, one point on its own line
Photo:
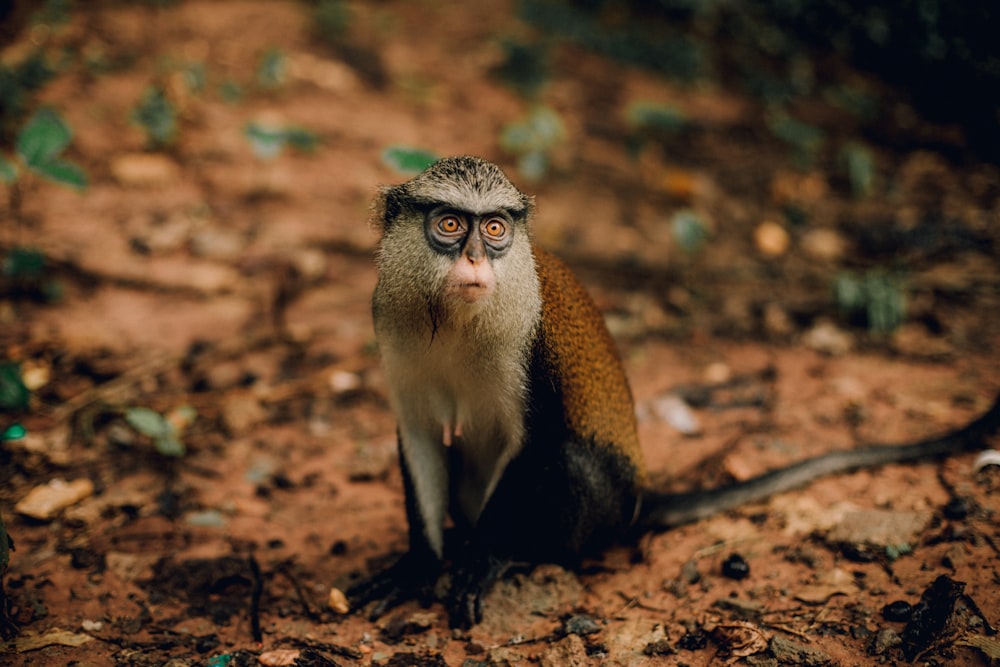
x=474 y=252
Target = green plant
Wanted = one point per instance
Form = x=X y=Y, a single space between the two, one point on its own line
x=876 y=298
x=525 y=67
x=165 y=432
x=332 y=18
x=532 y=140
x=652 y=122
x=156 y=115
x=272 y=70
x=231 y=91
x=14 y=396
x=856 y=160
x=689 y=231
x=17 y=82
x=408 y=160
x=804 y=139
x=39 y=148
x=13 y=432
x=268 y=141
x=25 y=272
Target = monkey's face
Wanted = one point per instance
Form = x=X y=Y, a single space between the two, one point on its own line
x=472 y=243
x=455 y=248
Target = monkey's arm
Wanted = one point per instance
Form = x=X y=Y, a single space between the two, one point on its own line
x=661 y=511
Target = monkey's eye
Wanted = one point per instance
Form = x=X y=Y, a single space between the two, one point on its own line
x=449 y=225
x=495 y=229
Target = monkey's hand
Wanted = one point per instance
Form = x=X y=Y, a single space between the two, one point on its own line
x=411 y=577
x=472 y=578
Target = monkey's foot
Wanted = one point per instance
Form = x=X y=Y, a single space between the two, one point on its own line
x=471 y=580
x=412 y=577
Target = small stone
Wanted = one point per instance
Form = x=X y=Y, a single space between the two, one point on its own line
x=279 y=657
x=144 y=170
x=717 y=372
x=342 y=382
x=880 y=528
x=673 y=410
x=310 y=263
x=898 y=611
x=771 y=239
x=776 y=320
x=735 y=567
x=218 y=244
x=884 y=639
x=827 y=245
x=957 y=508
x=788 y=652
x=337 y=601
x=241 y=412
x=568 y=652
x=581 y=624
x=825 y=337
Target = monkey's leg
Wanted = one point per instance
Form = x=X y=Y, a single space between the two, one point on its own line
x=555 y=503
x=411 y=577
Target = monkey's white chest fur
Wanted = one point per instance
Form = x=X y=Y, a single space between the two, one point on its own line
x=455 y=392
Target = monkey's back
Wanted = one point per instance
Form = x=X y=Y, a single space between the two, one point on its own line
x=581 y=355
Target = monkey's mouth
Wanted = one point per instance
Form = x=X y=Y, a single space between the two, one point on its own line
x=471 y=292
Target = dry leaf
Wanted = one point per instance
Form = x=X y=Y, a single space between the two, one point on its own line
x=834 y=582
x=54 y=637
x=46 y=501
x=741 y=638
x=988 y=645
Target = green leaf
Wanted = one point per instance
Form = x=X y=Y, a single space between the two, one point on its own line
x=13 y=394
x=533 y=165
x=805 y=139
x=43 y=137
x=13 y=432
x=525 y=66
x=169 y=445
x=878 y=297
x=8 y=171
x=266 y=142
x=23 y=264
x=62 y=172
x=301 y=139
x=230 y=91
x=653 y=117
x=541 y=130
x=157 y=116
x=689 y=231
x=148 y=422
x=408 y=160
x=332 y=19
x=860 y=168
x=272 y=71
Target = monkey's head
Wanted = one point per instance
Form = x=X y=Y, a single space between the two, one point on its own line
x=455 y=242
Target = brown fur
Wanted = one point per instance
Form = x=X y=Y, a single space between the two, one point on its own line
x=598 y=400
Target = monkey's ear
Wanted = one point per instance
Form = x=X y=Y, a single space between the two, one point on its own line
x=528 y=205
x=385 y=206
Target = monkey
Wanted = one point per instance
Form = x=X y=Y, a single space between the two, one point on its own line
x=514 y=414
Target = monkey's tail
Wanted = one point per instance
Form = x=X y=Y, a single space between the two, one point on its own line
x=661 y=511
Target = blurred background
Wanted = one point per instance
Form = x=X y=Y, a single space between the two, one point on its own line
x=185 y=245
